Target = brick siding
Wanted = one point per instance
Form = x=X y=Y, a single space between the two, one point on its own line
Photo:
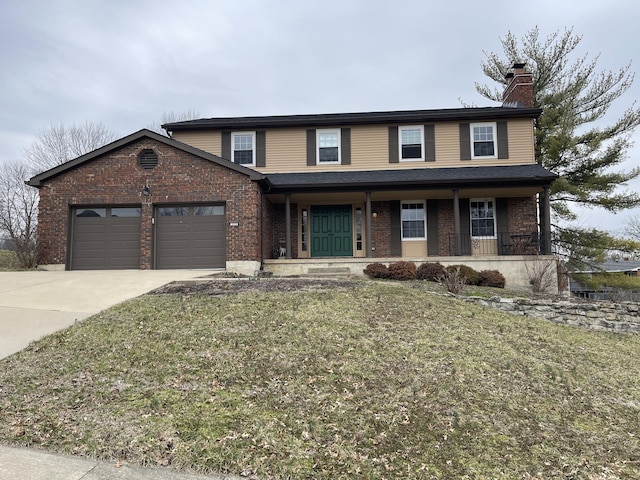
x=179 y=178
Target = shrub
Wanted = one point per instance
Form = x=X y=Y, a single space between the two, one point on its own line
x=402 y=270
x=430 y=271
x=470 y=276
x=452 y=279
x=376 y=270
x=491 y=278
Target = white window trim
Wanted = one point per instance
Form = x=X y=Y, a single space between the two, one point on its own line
x=411 y=127
x=424 y=219
x=494 y=125
x=491 y=237
x=253 y=143
x=328 y=130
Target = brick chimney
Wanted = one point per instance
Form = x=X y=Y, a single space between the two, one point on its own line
x=519 y=90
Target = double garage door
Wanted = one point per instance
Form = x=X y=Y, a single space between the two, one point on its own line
x=186 y=236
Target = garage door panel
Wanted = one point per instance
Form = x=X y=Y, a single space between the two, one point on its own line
x=104 y=242
x=192 y=240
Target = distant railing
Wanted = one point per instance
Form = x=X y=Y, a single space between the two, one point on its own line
x=504 y=243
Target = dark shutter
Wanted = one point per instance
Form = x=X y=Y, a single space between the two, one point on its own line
x=393 y=145
x=502 y=225
x=226 y=145
x=465 y=142
x=433 y=242
x=261 y=149
x=311 y=147
x=503 y=140
x=396 y=229
x=429 y=143
x=345 y=145
x=465 y=227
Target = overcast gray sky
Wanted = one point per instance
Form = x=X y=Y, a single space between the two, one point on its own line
x=124 y=63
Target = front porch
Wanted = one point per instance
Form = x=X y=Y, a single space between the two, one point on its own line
x=513 y=267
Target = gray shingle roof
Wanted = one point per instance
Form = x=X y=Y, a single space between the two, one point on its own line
x=513 y=175
x=361 y=118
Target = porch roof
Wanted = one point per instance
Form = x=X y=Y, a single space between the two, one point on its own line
x=495 y=176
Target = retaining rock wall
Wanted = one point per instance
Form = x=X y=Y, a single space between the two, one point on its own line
x=605 y=316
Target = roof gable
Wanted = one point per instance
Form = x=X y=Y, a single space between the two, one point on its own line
x=38 y=180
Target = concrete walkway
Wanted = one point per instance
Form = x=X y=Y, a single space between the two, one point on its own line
x=35 y=304
x=24 y=464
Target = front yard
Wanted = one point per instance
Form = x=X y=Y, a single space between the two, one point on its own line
x=360 y=380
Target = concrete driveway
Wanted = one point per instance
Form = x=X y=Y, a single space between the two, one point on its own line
x=36 y=303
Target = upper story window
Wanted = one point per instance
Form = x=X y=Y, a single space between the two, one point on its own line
x=411 y=142
x=413 y=221
x=483 y=140
x=243 y=150
x=483 y=222
x=328 y=144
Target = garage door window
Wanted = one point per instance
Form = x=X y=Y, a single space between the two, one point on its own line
x=125 y=212
x=208 y=210
x=91 y=212
x=173 y=211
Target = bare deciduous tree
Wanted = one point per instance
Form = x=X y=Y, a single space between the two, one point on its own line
x=60 y=143
x=19 y=212
x=172 y=117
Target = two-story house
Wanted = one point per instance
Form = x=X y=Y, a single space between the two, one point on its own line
x=293 y=193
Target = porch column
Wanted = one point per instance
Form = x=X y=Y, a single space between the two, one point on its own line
x=545 y=220
x=368 y=220
x=456 y=222
x=287 y=215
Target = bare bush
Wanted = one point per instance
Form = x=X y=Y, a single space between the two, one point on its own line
x=453 y=280
x=541 y=274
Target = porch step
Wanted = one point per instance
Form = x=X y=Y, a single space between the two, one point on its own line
x=328 y=272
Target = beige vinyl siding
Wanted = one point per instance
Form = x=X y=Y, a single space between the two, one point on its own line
x=286 y=148
x=207 y=140
x=370 y=147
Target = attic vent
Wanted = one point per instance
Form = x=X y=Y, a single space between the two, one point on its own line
x=148 y=159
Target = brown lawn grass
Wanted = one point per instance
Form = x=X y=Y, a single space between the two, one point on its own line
x=377 y=380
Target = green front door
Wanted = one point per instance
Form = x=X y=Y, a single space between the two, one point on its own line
x=331 y=234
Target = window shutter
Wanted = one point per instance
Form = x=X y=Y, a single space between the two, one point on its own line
x=433 y=242
x=345 y=146
x=396 y=229
x=226 y=145
x=465 y=142
x=429 y=143
x=502 y=225
x=393 y=145
x=261 y=149
x=465 y=227
x=503 y=140
x=311 y=147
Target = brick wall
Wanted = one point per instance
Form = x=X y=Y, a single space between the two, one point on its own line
x=279 y=229
x=522 y=214
x=179 y=177
x=381 y=229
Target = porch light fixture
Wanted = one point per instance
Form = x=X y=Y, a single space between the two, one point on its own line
x=146 y=191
